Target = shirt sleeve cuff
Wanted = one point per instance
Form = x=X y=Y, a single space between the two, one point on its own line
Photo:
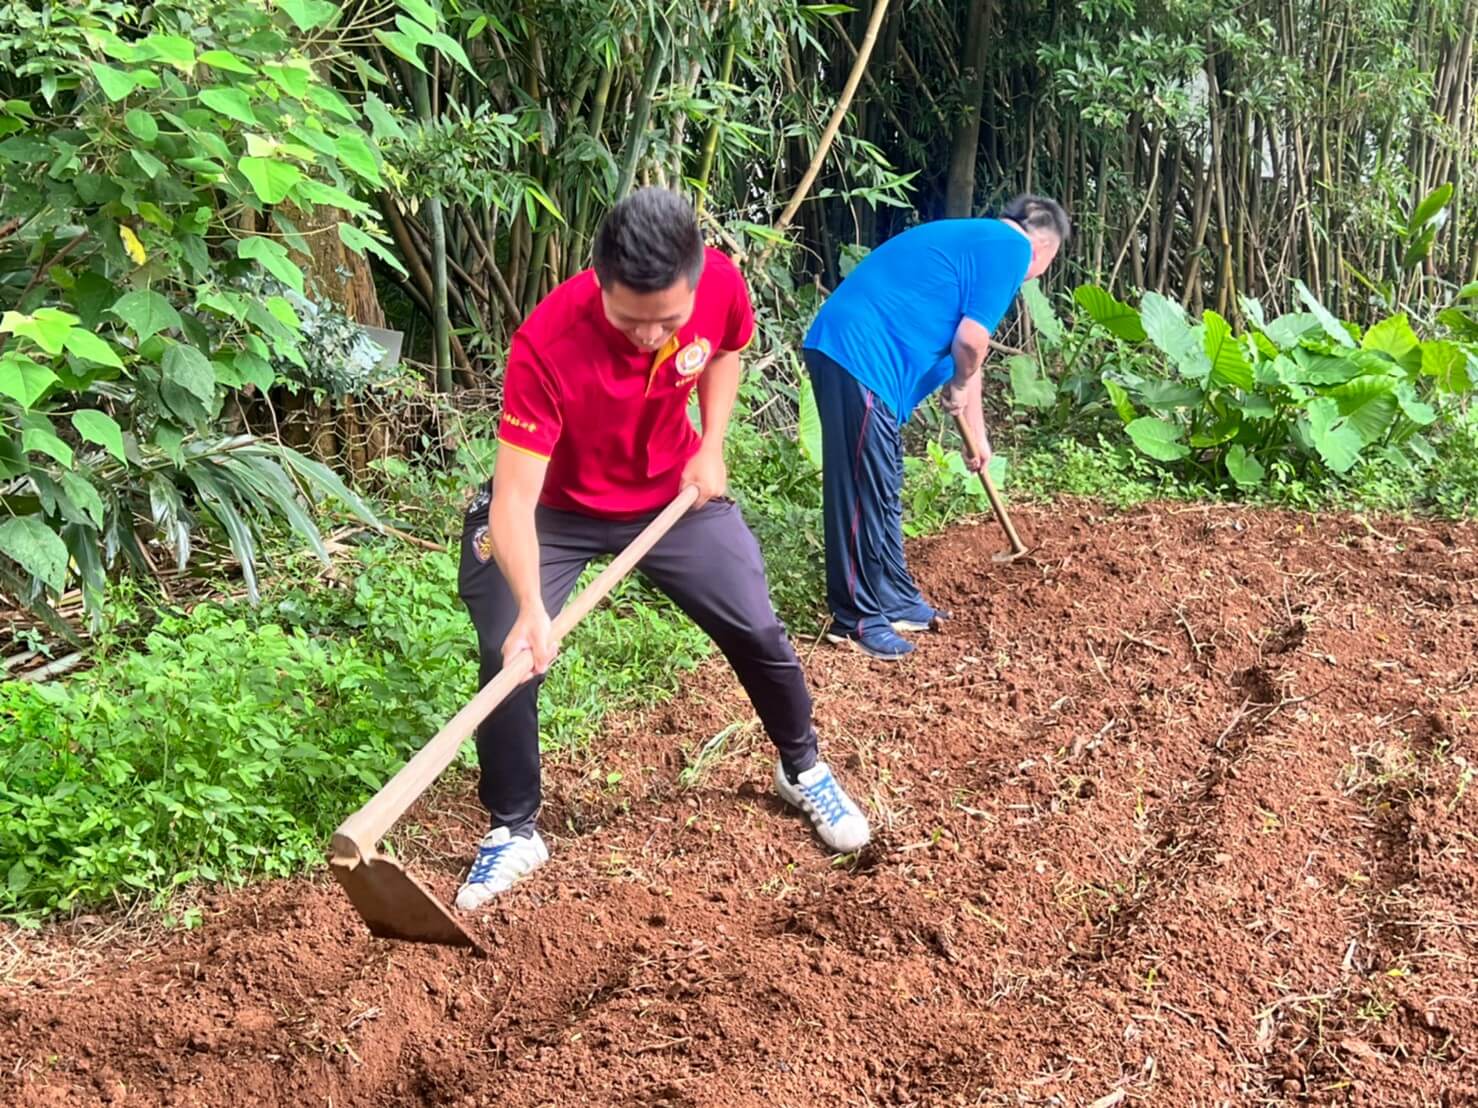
x=532 y=453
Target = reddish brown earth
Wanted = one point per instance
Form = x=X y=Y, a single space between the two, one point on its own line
x=1180 y=811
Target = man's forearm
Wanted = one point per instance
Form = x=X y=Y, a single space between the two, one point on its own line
x=516 y=550
x=968 y=359
x=718 y=389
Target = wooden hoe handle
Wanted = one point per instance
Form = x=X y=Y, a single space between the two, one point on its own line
x=361 y=831
x=996 y=504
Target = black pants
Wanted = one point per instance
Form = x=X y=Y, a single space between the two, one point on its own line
x=709 y=564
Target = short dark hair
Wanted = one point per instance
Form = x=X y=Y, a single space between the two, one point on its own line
x=648 y=241
x=1038 y=213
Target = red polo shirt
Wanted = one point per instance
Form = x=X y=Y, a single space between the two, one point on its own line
x=611 y=418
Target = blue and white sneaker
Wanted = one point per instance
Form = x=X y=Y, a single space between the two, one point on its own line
x=882 y=643
x=502 y=861
x=838 y=820
x=921 y=617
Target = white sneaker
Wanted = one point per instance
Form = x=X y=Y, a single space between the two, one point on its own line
x=502 y=860
x=838 y=821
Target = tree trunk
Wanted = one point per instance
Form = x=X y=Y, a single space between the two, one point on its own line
x=959 y=199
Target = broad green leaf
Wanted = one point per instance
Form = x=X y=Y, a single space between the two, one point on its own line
x=292 y=79
x=1332 y=326
x=1229 y=364
x=272 y=180
x=1120 y=400
x=309 y=15
x=99 y=427
x=1288 y=330
x=358 y=240
x=1169 y=395
x=86 y=345
x=422 y=12
x=24 y=380
x=253 y=370
x=46 y=327
x=1337 y=443
x=1395 y=337
x=1158 y=439
x=809 y=431
x=189 y=369
x=1165 y=323
x=1423 y=449
x=115 y=83
x=1459 y=323
x=1246 y=470
x=1252 y=309
x=355 y=153
x=174 y=50
x=141 y=125
x=1429 y=209
x=81 y=492
x=1369 y=404
x=40 y=437
x=384 y=125
x=451 y=48
x=225 y=61
x=272 y=257
x=1043 y=318
x=146 y=313
x=1030 y=387
x=331 y=102
x=280 y=308
x=1113 y=315
x=36 y=548
x=1257 y=406
x=1413 y=407
x=1419 y=248
x=1223 y=430
x=317 y=192
x=231 y=103
x=1446 y=362
x=151 y=165
x=401 y=46
x=1325 y=369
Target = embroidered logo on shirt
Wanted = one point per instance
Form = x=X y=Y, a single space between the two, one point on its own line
x=482 y=544
x=693 y=357
x=522 y=424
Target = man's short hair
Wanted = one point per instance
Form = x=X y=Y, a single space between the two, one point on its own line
x=648 y=242
x=1038 y=213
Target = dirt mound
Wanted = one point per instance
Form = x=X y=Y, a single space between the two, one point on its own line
x=1178 y=811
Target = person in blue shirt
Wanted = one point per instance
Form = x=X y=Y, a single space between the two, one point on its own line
x=914 y=318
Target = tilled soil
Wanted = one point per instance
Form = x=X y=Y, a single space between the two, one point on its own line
x=1178 y=811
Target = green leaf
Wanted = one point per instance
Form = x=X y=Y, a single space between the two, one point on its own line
x=24 y=380
x=1223 y=430
x=151 y=165
x=146 y=313
x=809 y=431
x=1429 y=209
x=359 y=241
x=1419 y=248
x=1325 y=369
x=1165 y=323
x=1423 y=449
x=1120 y=400
x=401 y=46
x=86 y=345
x=384 y=125
x=355 y=153
x=174 y=50
x=1115 y=316
x=1369 y=405
x=1043 y=318
x=317 y=192
x=115 y=83
x=82 y=493
x=451 y=48
x=1253 y=310
x=1337 y=443
x=272 y=257
x=1287 y=331
x=280 y=308
x=1229 y=364
x=46 y=327
x=141 y=125
x=231 y=103
x=38 y=436
x=292 y=79
x=1170 y=395
x=421 y=12
x=1246 y=470
x=1158 y=438
x=36 y=548
x=1395 y=337
x=331 y=102
x=225 y=61
x=189 y=369
x=272 y=180
x=309 y=15
x=1332 y=326
x=322 y=479
x=1030 y=387
x=101 y=428
x=1413 y=407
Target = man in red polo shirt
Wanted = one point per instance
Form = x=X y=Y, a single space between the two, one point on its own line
x=595 y=440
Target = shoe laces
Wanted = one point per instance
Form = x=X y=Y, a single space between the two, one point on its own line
x=489 y=858
x=827 y=799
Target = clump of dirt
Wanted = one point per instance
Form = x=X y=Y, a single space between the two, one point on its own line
x=1180 y=807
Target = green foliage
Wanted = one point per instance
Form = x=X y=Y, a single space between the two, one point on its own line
x=134 y=144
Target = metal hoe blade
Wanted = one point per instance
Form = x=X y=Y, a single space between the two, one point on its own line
x=394 y=905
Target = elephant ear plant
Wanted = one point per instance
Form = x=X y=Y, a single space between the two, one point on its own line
x=151 y=162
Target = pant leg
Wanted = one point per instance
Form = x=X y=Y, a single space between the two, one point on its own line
x=862 y=489
x=899 y=592
x=508 y=739
x=711 y=567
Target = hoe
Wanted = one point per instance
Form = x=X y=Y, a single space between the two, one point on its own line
x=996 y=504
x=392 y=903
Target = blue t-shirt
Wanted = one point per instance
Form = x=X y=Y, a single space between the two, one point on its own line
x=892 y=321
